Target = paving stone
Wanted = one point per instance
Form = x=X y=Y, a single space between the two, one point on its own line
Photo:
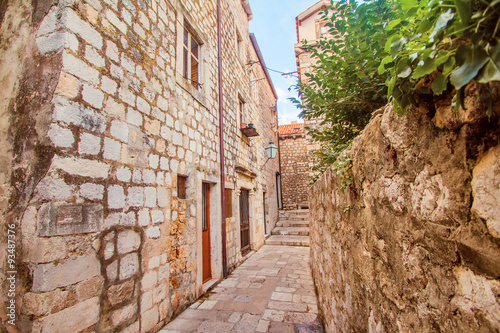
x=211 y=327
x=258 y=297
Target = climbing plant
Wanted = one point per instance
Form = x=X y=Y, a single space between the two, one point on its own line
x=405 y=51
x=441 y=45
x=344 y=87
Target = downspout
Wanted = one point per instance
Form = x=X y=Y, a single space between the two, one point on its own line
x=279 y=155
x=221 y=143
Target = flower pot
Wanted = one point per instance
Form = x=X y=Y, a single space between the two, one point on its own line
x=243 y=125
x=250 y=125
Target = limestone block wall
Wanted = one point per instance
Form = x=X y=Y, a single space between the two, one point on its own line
x=295 y=170
x=413 y=245
x=98 y=122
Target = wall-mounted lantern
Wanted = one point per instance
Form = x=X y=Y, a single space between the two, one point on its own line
x=271 y=150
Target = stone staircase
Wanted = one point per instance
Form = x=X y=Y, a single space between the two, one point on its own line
x=291 y=229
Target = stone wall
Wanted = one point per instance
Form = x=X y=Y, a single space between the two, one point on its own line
x=295 y=170
x=413 y=245
x=98 y=122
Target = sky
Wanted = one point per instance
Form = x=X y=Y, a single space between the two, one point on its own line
x=273 y=24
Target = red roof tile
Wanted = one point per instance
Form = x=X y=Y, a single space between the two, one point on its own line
x=297 y=128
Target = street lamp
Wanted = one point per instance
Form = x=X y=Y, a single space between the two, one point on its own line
x=271 y=150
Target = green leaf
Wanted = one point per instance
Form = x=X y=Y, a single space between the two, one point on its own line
x=381 y=67
x=491 y=72
x=424 y=26
x=429 y=66
x=407 y=4
x=397 y=45
x=448 y=66
x=441 y=23
x=464 y=8
x=475 y=59
x=403 y=70
x=440 y=84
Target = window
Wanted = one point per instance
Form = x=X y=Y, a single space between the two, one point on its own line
x=241 y=110
x=181 y=186
x=191 y=58
x=229 y=202
x=239 y=47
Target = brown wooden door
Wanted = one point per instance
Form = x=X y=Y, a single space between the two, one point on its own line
x=244 y=222
x=207 y=268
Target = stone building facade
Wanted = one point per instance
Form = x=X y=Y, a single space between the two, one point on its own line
x=294 y=165
x=111 y=167
x=310 y=28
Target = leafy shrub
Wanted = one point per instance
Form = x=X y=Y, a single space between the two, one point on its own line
x=404 y=51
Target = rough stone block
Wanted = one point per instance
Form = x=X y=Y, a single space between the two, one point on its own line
x=73 y=319
x=128 y=241
x=93 y=96
x=92 y=191
x=129 y=265
x=149 y=319
x=56 y=42
x=89 y=144
x=51 y=188
x=114 y=108
x=47 y=277
x=83 y=29
x=81 y=167
x=153 y=232
x=135 y=196
x=119 y=130
x=93 y=57
x=112 y=149
x=150 y=193
x=149 y=280
x=116 y=197
x=157 y=216
x=112 y=51
x=121 y=292
x=74 y=113
x=134 y=117
x=123 y=174
x=149 y=176
x=144 y=217
x=60 y=136
x=486 y=190
x=79 y=68
x=68 y=219
x=121 y=315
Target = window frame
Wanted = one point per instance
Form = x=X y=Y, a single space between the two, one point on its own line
x=184 y=20
x=188 y=38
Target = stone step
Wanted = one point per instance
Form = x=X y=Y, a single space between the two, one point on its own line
x=294 y=214
x=303 y=231
x=293 y=224
x=288 y=240
x=294 y=218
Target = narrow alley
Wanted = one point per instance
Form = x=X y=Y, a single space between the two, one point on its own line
x=272 y=291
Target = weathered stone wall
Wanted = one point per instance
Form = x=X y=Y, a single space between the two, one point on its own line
x=413 y=245
x=98 y=124
x=295 y=171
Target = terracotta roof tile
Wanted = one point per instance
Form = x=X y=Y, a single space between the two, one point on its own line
x=297 y=128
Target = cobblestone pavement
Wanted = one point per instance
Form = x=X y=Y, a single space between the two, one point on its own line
x=272 y=291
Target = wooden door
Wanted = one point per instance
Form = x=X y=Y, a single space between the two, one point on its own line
x=244 y=222
x=207 y=268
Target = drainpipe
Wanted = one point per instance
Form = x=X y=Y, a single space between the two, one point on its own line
x=279 y=154
x=221 y=143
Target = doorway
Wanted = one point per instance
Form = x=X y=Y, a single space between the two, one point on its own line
x=207 y=266
x=244 y=222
